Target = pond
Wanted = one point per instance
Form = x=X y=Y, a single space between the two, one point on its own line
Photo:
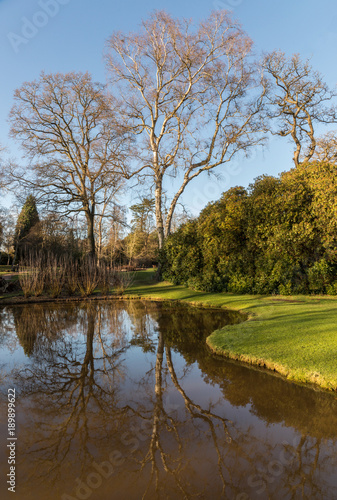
x=123 y=400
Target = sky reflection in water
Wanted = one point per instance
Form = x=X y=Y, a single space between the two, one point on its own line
x=123 y=400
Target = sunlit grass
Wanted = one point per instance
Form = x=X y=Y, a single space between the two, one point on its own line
x=295 y=336
x=5 y=269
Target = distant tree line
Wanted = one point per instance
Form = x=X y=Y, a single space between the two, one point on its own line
x=279 y=236
x=117 y=243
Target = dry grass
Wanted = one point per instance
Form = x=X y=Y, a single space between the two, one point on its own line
x=88 y=276
x=32 y=276
x=56 y=276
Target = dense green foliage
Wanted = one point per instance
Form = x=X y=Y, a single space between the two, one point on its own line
x=279 y=236
x=27 y=218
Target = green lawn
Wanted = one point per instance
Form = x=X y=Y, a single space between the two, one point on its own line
x=295 y=336
x=5 y=269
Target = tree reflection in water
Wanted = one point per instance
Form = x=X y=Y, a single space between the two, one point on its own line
x=136 y=377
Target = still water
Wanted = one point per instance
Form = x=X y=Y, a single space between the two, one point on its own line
x=122 y=400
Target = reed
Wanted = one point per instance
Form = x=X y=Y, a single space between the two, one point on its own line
x=71 y=276
x=122 y=281
x=106 y=278
x=88 y=276
x=32 y=276
x=55 y=275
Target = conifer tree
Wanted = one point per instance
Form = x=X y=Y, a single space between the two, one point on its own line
x=27 y=219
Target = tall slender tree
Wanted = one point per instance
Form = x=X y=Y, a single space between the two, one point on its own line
x=191 y=96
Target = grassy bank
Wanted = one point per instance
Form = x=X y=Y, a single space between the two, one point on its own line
x=5 y=269
x=295 y=336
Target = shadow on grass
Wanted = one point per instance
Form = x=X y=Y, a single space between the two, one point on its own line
x=180 y=293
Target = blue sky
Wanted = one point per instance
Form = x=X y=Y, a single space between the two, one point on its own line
x=72 y=33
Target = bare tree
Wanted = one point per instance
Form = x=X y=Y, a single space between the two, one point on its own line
x=1 y=229
x=107 y=214
x=2 y=169
x=326 y=148
x=298 y=100
x=7 y=225
x=190 y=96
x=75 y=147
x=114 y=247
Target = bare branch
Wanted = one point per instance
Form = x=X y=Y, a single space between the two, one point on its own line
x=298 y=99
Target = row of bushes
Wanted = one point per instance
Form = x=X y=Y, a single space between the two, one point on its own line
x=320 y=279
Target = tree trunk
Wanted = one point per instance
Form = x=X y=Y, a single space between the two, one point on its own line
x=159 y=214
x=16 y=253
x=91 y=235
x=100 y=238
x=159 y=223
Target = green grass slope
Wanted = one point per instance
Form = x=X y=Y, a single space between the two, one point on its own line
x=294 y=336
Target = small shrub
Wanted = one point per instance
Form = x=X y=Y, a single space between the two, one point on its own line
x=332 y=289
x=194 y=284
x=88 y=277
x=265 y=284
x=175 y=280
x=122 y=281
x=71 y=276
x=212 y=282
x=285 y=289
x=107 y=278
x=55 y=276
x=239 y=284
x=319 y=276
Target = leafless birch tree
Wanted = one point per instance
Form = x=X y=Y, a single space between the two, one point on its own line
x=190 y=95
x=74 y=146
x=298 y=100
